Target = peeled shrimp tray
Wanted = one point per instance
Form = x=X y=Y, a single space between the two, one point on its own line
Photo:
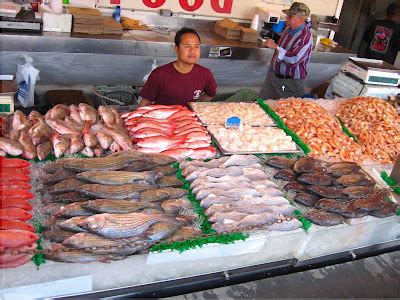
x=238 y=146
x=216 y=113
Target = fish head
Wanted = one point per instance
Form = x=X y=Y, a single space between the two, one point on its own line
x=152 y=210
x=93 y=223
x=74 y=240
x=185 y=219
x=60 y=212
x=31 y=237
x=57 y=247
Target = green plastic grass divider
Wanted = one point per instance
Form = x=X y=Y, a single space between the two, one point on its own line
x=38 y=258
x=281 y=124
x=389 y=180
x=205 y=226
x=392 y=183
x=200 y=242
x=304 y=221
x=347 y=131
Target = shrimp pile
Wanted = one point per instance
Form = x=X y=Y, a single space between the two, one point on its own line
x=319 y=130
x=376 y=125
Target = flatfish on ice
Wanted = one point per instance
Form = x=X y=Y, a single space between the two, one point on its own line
x=388 y=209
x=326 y=192
x=294 y=186
x=285 y=174
x=355 y=192
x=305 y=199
x=323 y=218
x=315 y=179
x=352 y=180
x=307 y=165
x=280 y=162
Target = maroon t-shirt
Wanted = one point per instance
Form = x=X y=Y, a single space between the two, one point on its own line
x=168 y=86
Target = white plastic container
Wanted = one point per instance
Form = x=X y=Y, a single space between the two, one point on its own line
x=57 y=23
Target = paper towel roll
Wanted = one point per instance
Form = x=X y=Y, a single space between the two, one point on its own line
x=255 y=22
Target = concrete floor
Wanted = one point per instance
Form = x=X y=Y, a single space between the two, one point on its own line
x=373 y=277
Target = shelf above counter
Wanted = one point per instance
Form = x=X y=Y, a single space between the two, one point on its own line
x=146 y=43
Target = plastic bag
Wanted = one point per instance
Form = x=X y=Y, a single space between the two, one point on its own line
x=153 y=67
x=26 y=78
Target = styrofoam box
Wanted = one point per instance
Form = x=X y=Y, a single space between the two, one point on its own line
x=57 y=23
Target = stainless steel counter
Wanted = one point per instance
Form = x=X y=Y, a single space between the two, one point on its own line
x=68 y=59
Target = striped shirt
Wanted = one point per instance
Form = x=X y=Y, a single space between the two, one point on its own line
x=294 y=52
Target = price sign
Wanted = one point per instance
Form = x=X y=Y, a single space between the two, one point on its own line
x=233 y=122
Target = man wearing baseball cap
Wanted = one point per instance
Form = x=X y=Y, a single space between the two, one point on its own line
x=288 y=70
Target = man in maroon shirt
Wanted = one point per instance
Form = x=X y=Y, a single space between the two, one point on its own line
x=183 y=80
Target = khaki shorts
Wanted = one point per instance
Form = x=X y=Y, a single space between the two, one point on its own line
x=272 y=87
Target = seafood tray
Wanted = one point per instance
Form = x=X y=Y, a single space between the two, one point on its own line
x=225 y=151
x=376 y=125
x=236 y=195
x=319 y=130
x=216 y=113
x=333 y=193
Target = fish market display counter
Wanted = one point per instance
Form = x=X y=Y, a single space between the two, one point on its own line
x=167 y=273
x=131 y=213
x=66 y=59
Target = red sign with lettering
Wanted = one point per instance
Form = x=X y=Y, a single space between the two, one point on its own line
x=153 y=3
x=226 y=8
x=186 y=6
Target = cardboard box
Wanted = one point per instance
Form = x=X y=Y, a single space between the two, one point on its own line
x=227 y=29
x=248 y=35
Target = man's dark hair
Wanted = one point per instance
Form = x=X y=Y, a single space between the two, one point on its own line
x=181 y=32
x=393 y=9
